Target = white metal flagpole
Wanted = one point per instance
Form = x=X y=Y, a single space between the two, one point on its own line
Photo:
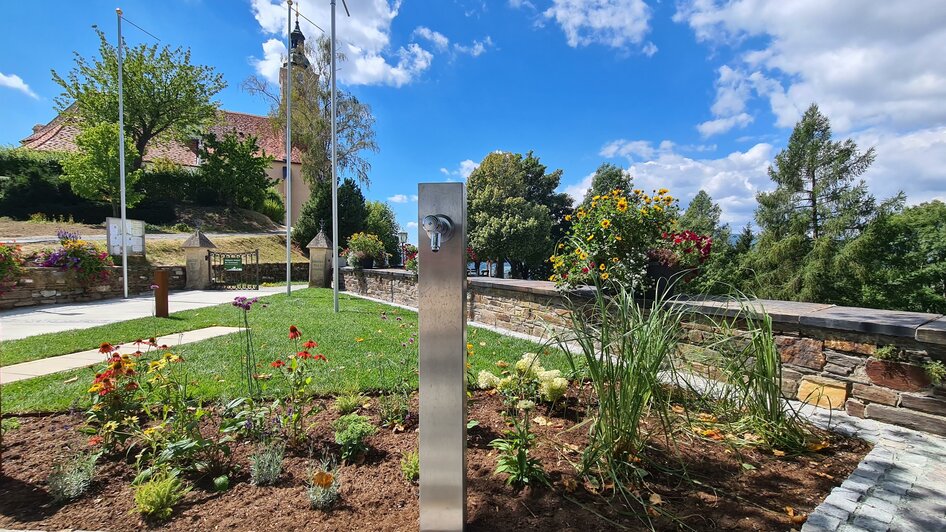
x=334 y=179
x=289 y=148
x=121 y=154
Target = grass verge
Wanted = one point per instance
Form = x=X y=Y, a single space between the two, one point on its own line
x=369 y=347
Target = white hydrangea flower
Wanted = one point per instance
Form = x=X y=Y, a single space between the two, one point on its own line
x=553 y=389
x=529 y=364
x=486 y=380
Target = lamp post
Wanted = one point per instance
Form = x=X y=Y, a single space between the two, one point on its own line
x=402 y=239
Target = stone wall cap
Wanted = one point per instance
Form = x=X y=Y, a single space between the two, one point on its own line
x=198 y=240
x=320 y=241
x=868 y=320
x=932 y=332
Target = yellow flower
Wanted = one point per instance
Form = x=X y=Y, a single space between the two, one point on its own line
x=638 y=191
x=568 y=217
x=605 y=224
x=591 y=237
x=622 y=205
x=602 y=267
x=614 y=260
x=469 y=347
x=583 y=256
x=594 y=204
x=580 y=214
x=561 y=246
x=662 y=191
x=618 y=238
x=596 y=198
x=551 y=277
x=617 y=192
x=96 y=388
x=578 y=252
x=658 y=208
x=604 y=276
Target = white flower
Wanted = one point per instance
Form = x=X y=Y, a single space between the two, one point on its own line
x=486 y=380
x=553 y=389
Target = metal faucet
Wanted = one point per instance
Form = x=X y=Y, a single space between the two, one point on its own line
x=439 y=228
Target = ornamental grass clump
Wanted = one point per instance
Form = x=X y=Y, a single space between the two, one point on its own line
x=72 y=476
x=624 y=345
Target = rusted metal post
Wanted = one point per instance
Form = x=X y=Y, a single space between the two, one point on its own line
x=161 y=293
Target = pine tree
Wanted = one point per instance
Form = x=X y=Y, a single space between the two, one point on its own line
x=607 y=178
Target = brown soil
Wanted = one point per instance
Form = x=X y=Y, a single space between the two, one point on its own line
x=728 y=496
x=10 y=229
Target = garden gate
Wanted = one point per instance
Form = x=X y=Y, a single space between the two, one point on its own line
x=234 y=271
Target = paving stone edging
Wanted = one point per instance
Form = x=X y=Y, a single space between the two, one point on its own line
x=900 y=486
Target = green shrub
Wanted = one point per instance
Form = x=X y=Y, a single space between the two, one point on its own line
x=350 y=432
x=157 y=497
x=72 y=477
x=346 y=404
x=410 y=466
x=266 y=463
x=365 y=245
x=273 y=207
x=9 y=424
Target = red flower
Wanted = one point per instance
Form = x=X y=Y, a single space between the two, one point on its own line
x=294 y=333
x=106 y=348
x=153 y=341
x=164 y=346
x=95 y=440
x=319 y=356
x=584 y=270
x=304 y=354
x=310 y=344
x=278 y=364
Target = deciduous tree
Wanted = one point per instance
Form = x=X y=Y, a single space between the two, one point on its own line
x=93 y=171
x=165 y=95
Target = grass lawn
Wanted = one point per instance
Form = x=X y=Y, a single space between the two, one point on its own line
x=368 y=349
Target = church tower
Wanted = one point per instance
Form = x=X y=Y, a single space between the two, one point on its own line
x=296 y=57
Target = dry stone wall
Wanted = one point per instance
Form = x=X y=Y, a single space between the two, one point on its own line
x=867 y=362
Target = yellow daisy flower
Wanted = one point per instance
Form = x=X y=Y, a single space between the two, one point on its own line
x=605 y=224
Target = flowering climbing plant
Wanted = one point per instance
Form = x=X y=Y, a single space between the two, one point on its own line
x=611 y=237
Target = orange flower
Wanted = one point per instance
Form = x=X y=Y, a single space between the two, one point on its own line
x=106 y=348
x=278 y=364
x=310 y=344
x=294 y=333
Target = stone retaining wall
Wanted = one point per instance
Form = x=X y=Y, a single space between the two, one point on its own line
x=46 y=286
x=828 y=352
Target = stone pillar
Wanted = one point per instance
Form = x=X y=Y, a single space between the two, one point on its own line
x=195 y=255
x=320 y=261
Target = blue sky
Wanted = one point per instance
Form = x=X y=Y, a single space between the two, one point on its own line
x=688 y=95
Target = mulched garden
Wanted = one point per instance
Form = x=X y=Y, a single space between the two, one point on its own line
x=704 y=483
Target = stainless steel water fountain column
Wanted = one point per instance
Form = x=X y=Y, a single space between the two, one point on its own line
x=442 y=327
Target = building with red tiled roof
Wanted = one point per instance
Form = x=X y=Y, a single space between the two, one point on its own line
x=60 y=133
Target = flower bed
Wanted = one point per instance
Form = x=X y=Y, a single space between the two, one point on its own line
x=745 y=488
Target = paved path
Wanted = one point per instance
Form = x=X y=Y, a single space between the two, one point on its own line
x=149 y=236
x=46 y=366
x=31 y=321
x=900 y=486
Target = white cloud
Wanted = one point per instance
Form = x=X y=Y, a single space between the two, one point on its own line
x=614 y=23
x=732 y=180
x=733 y=89
x=649 y=49
x=365 y=38
x=464 y=169
x=402 y=198
x=274 y=53
x=912 y=162
x=438 y=39
x=872 y=65
x=517 y=4
x=722 y=125
x=411 y=225
x=476 y=49
x=15 y=82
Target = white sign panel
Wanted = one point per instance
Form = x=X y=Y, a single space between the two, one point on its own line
x=134 y=237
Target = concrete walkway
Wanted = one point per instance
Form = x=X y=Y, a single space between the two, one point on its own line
x=46 y=366
x=150 y=236
x=30 y=321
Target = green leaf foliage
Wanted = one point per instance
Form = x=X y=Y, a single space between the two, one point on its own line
x=380 y=220
x=93 y=171
x=165 y=95
x=317 y=212
x=232 y=173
